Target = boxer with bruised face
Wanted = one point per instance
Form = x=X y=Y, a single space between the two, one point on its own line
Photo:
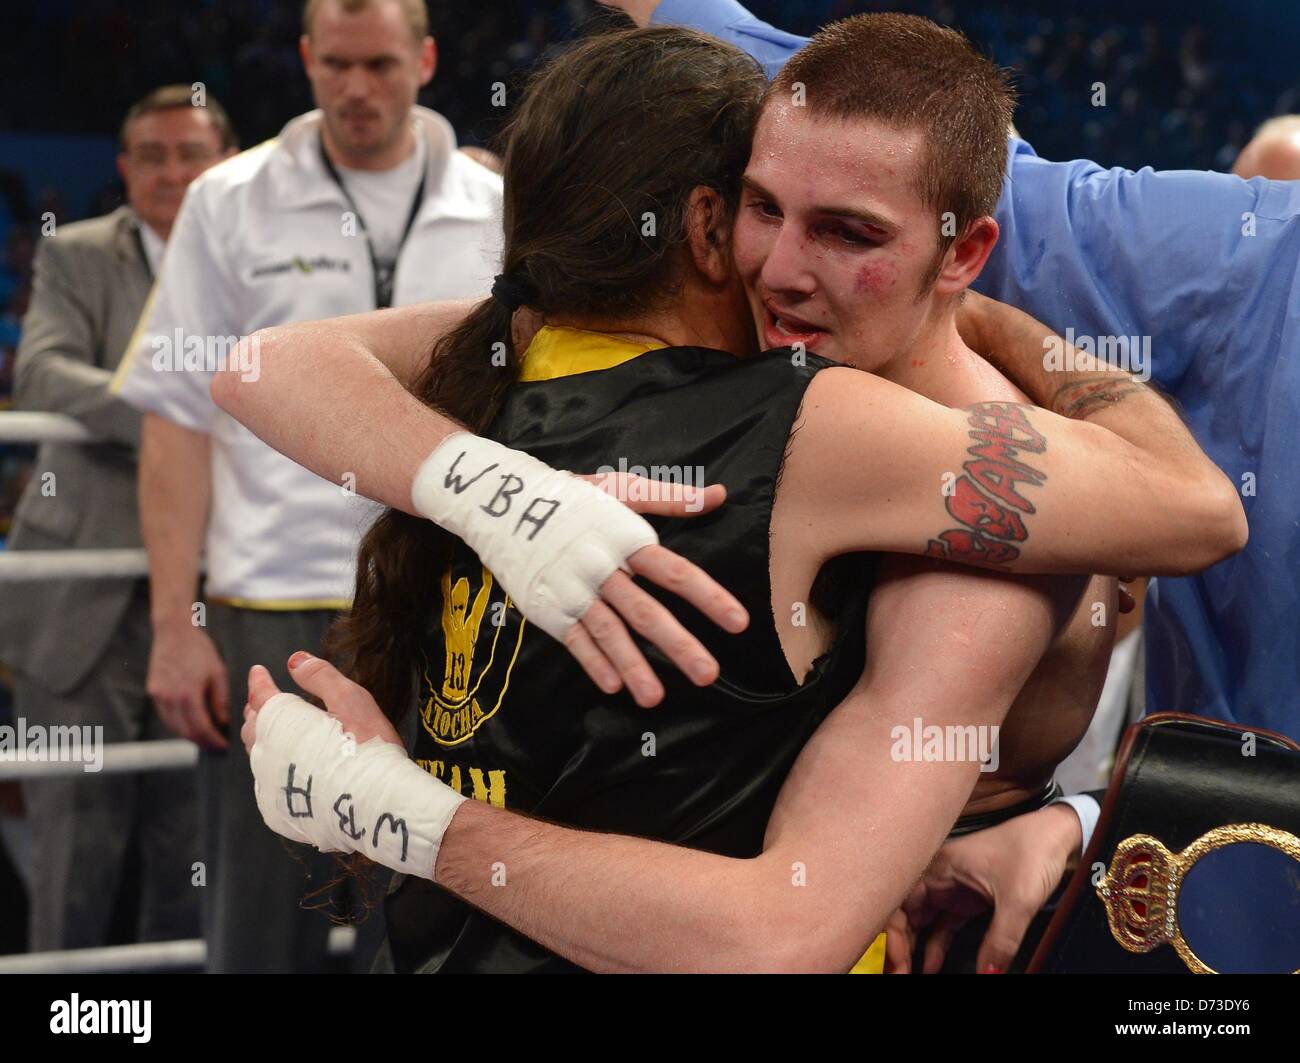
x=865 y=214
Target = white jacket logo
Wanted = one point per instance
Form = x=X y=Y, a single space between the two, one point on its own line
x=306 y=266
x=102 y=1016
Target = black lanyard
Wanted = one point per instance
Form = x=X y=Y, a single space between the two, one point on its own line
x=144 y=254
x=383 y=274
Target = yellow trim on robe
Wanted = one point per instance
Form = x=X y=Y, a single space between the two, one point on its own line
x=873 y=960
x=334 y=605
x=559 y=351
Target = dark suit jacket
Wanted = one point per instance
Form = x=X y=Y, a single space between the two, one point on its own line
x=91 y=283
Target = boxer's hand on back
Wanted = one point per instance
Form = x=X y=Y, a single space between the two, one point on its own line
x=1012 y=868
x=341 y=779
x=565 y=549
x=601 y=643
x=350 y=704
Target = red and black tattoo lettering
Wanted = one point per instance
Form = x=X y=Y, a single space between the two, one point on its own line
x=986 y=499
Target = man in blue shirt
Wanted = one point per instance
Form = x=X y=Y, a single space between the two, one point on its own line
x=1202 y=266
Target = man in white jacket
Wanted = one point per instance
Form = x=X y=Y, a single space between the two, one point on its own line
x=361 y=204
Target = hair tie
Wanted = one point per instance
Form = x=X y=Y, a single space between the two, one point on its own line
x=510 y=292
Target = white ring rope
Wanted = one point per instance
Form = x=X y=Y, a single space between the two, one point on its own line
x=147 y=956
x=117 y=758
x=28 y=566
x=42 y=428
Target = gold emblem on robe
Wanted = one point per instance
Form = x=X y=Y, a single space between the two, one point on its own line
x=481 y=639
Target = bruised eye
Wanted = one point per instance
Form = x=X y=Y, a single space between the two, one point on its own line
x=852 y=237
x=857 y=239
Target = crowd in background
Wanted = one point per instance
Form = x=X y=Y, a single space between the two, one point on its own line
x=1176 y=96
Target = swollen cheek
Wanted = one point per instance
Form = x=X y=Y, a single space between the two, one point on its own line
x=878 y=276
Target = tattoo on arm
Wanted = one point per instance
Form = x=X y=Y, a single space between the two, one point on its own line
x=986 y=501
x=1080 y=399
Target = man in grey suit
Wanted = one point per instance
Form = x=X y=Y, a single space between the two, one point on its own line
x=79 y=649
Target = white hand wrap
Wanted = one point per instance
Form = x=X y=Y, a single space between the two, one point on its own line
x=549 y=538
x=315 y=785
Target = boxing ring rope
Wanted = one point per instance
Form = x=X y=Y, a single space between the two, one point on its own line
x=31 y=566
x=118 y=758
x=147 y=956
x=42 y=428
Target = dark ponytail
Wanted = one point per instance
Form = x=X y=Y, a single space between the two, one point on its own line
x=601 y=156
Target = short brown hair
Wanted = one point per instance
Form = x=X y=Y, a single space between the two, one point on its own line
x=173 y=98
x=912 y=74
x=417 y=15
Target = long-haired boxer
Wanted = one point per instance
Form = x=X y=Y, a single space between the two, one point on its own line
x=773 y=863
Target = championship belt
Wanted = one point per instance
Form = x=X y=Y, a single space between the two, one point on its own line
x=1195 y=861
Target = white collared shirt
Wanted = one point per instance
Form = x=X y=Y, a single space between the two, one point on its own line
x=264 y=239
